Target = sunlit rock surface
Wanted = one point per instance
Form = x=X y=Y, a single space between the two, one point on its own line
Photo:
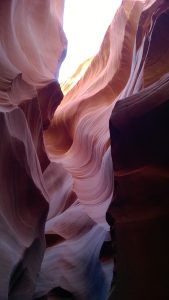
x=70 y=83
x=84 y=184
x=29 y=95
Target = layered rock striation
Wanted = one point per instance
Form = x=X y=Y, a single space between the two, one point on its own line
x=84 y=181
x=32 y=44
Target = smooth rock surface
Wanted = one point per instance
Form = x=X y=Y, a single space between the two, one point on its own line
x=84 y=181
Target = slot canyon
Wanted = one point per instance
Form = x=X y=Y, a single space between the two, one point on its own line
x=84 y=164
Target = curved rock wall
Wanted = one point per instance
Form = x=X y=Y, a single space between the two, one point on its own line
x=79 y=177
x=32 y=44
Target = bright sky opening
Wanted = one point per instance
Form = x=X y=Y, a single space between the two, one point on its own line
x=85 y=24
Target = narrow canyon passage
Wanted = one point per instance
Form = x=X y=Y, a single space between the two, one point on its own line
x=84 y=177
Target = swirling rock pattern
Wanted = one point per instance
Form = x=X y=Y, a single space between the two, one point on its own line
x=138 y=128
x=29 y=95
x=82 y=174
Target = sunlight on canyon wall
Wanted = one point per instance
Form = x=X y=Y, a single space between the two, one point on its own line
x=84 y=177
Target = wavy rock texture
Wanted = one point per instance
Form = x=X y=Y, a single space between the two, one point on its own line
x=29 y=94
x=127 y=69
x=55 y=199
x=139 y=127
